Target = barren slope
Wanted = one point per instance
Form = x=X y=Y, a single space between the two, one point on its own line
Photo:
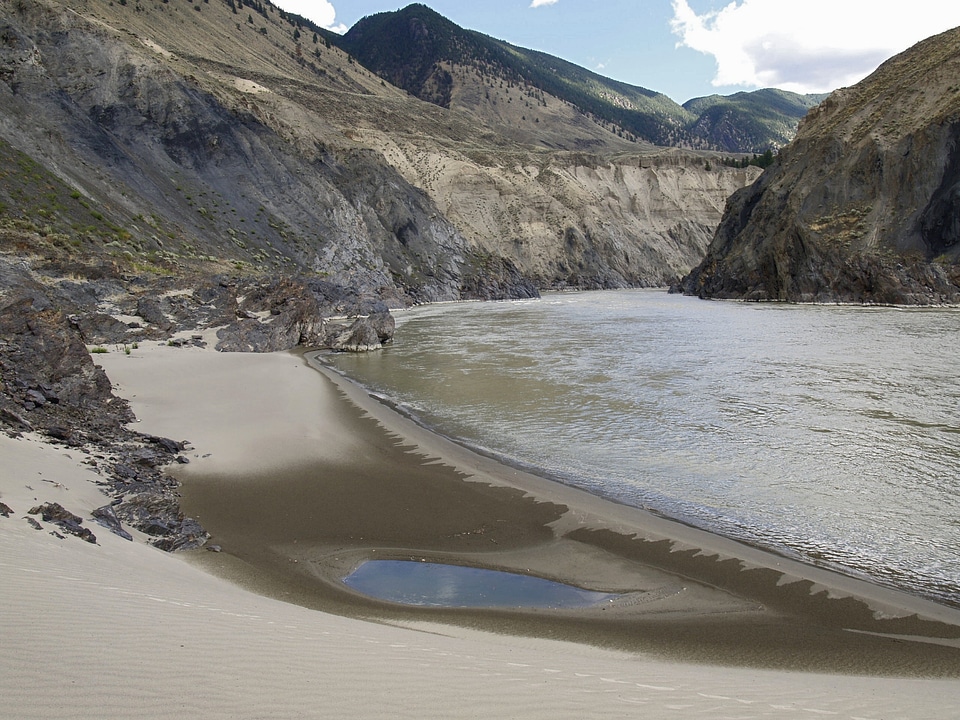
x=209 y=134
x=863 y=205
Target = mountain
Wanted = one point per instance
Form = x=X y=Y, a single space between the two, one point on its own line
x=228 y=136
x=863 y=205
x=750 y=121
x=435 y=60
x=528 y=94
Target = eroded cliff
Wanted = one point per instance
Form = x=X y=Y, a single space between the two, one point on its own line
x=864 y=206
x=189 y=134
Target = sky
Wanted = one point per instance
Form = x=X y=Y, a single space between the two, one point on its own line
x=690 y=48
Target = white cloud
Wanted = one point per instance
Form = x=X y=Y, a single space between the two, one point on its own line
x=319 y=11
x=813 y=46
x=541 y=3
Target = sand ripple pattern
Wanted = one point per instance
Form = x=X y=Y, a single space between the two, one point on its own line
x=121 y=630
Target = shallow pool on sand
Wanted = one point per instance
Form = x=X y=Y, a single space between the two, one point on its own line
x=436 y=584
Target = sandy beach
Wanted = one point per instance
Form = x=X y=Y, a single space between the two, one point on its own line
x=300 y=476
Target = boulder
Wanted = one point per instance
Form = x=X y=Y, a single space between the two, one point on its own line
x=384 y=324
x=362 y=336
x=107 y=517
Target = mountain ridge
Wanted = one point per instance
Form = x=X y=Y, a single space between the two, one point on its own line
x=419 y=50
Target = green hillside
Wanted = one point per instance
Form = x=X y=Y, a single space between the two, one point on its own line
x=417 y=49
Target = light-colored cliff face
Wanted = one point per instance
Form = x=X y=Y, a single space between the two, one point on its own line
x=864 y=206
x=575 y=218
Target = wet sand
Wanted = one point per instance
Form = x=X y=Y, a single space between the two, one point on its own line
x=293 y=524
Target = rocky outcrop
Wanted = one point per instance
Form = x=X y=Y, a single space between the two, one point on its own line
x=365 y=334
x=49 y=379
x=862 y=207
x=291 y=316
x=65 y=520
x=107 y=517
x=159 y=515
x=49 y=384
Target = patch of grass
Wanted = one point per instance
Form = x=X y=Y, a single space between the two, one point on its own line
x=147 y=267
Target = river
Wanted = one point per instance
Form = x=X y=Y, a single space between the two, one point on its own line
x=830 y=434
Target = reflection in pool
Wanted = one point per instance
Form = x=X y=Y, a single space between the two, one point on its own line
x=438 y=585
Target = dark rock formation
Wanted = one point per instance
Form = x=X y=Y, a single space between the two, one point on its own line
x=862 y=207
x=159 y=514
x=291 y=317
x=50 y=383
x=107 y=517
x=291 y=312
x=66 y=520
x=361 y=336
x=171 y=446
x=47 y=371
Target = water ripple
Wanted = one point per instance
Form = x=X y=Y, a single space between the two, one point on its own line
x=831 y=434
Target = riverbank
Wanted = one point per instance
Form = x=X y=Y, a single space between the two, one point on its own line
x=364 y=482
x=300 y=476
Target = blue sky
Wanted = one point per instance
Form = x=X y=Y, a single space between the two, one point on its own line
x=690 y=48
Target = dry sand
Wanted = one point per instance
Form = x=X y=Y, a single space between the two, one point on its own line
x=121 y=630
